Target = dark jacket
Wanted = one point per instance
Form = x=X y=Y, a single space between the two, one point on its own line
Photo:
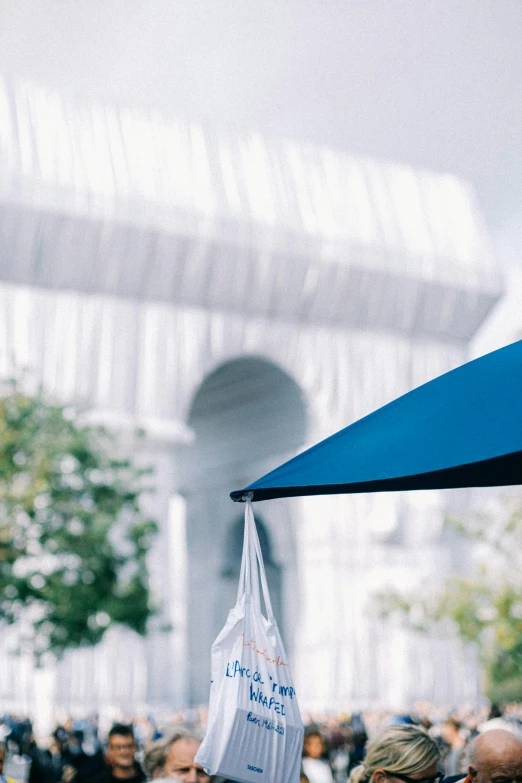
x=47 y=767
x=105 y=776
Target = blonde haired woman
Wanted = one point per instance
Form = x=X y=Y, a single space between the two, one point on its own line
x=400 y=754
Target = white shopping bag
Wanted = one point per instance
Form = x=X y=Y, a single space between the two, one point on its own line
x=255 y=732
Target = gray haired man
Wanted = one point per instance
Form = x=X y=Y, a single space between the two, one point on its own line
x=496 y=757
x=173 y=760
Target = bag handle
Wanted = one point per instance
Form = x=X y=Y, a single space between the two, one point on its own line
x=257 y=568
x=260 y=564
x=249 y=574
x=244 y=579
x=252 y=565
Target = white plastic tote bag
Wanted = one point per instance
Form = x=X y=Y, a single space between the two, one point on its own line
x=255 y=732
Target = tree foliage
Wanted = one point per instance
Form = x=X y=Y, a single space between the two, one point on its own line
x=73 y=539
x=484 y=605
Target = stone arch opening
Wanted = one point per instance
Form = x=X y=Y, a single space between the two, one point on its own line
x=246 y=416
x=245 y=412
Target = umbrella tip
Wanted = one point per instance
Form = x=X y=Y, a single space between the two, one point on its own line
x=240 y=496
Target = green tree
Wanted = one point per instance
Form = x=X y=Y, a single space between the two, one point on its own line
x=73 y=538
x=485 y=605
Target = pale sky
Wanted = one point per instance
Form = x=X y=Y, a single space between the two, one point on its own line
x=434 y=83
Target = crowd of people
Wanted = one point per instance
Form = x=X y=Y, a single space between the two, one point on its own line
x=467 y=745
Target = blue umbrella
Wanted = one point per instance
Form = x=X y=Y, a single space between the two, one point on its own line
x=463 y=429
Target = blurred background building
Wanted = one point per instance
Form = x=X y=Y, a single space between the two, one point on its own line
x=170 y=257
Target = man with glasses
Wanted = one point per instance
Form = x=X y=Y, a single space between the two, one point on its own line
x=120 y=757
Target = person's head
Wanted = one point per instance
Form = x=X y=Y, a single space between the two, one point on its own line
x=121 y=747
x=179 y=760
x=399 y=754
x=60 y=739
x=494 y=712
x=360 y=739
x=154 y=759
x=304 y=778
x=2 y=757
x=313 y=745
x=450 y=730
x=496 y=757
x=75 y=741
